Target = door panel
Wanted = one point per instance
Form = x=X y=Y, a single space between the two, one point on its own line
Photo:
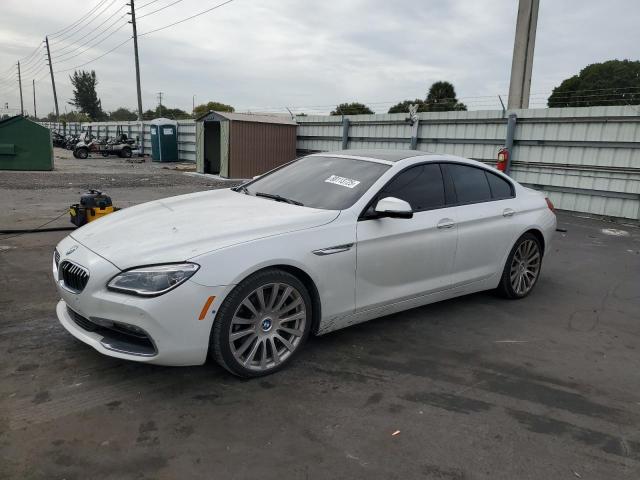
x=486 y=223
x=403 y=258
x=485 y=235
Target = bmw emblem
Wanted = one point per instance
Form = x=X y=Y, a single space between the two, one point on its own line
x=266 y=324
x=71 y=250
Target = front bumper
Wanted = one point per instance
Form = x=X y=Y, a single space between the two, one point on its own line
x=171 y=322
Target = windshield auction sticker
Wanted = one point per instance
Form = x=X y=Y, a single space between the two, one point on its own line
x=342 y=181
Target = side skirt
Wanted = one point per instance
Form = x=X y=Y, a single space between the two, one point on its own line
x=343 y=321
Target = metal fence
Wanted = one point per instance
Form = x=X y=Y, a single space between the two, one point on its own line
x=186 y=133
x=585 y=159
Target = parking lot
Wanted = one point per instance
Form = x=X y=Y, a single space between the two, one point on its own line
x=472 y=388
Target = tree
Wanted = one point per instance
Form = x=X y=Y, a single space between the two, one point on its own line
x=175 y=113
x=67 y=117
x=123 y=114
x=614 y=82
x=354 y=108
x=442 y=98
x=403 y=107
x=85 y=97
x=149 y=115
x=200 y=110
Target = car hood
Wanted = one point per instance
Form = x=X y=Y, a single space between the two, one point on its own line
x=178 y=228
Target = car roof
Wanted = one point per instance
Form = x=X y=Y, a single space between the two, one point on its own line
x=377 y=154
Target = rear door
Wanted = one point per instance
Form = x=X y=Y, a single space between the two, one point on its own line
x=484 y=217
x=399 y=258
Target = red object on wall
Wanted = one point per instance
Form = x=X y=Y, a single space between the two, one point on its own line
x=503 y=159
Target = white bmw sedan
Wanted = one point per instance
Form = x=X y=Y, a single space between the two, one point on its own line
x=246 y=274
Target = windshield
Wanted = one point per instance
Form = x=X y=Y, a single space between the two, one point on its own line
x=329 y=183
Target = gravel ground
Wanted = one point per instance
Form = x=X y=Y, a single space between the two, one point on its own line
x=472 y=388
x=32 y=198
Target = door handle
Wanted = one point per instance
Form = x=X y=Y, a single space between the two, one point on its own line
x=446 y=223
x=508 y=212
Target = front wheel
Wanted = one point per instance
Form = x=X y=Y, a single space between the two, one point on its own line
x=522 y=269
x=262 y=324
x=125 y=152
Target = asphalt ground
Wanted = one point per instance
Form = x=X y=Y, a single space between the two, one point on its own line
x=472 y=388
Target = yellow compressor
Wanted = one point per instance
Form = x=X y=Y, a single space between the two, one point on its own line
x=93 y=205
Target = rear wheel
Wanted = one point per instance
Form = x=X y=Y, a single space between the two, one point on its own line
x=81 y=153
x=522 y=269
x=262 y=324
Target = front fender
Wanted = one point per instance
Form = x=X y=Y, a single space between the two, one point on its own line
x=333 y=275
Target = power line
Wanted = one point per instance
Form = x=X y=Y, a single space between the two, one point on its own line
x=145 y=5
x=159 y=9
x=34 y=57
x=85 y=25
x=78 y=53
x=94 y=59
x=75 y=45
x=185 y=19
x=74 y=24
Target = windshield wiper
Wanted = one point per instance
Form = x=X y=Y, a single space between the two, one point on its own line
x=242 y=188
x=278 y=198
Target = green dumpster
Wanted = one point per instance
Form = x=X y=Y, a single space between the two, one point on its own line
x=24 y=145
x=164 y=140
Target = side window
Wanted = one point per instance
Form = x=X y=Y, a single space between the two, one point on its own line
x=500 y=188
x=421 y=186
x=470 y=183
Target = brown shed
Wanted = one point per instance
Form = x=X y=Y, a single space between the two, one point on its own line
x=242 y=145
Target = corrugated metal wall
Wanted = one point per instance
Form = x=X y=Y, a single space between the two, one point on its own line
x=255 y=148
x=586 y=159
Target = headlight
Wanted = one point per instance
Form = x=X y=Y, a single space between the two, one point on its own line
x=152 y=281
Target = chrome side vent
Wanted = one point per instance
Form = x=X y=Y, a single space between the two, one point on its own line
x=56 y=257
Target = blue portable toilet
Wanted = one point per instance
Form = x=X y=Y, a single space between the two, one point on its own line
x=164 y=140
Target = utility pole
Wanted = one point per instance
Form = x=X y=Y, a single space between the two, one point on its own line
x=20 y=85
x=53 y=81
x=135 y=52
x=160 y=102
x=35 y=112
x=522 y=62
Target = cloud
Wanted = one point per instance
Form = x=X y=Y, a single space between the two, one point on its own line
x=268 y=54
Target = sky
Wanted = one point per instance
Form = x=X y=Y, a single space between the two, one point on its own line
x=307 y=55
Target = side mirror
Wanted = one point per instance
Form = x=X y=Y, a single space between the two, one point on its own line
x=393 y=207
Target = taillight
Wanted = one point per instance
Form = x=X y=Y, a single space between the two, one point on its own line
x=550 y=205
x=503 y=159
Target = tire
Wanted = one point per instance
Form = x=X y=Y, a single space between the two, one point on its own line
x=125 y=152
x=262 y=345
x=522 y=269
x=82 y=153
x=105 y=154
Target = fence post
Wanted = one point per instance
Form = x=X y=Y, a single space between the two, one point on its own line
x=508 y=144
x=414 y=134
x=178 y=139
x=345 y=133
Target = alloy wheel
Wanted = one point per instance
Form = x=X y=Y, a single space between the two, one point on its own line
x=525 y=267
x=268 y=326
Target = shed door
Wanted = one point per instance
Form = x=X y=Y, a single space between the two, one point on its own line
x=212 y=147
